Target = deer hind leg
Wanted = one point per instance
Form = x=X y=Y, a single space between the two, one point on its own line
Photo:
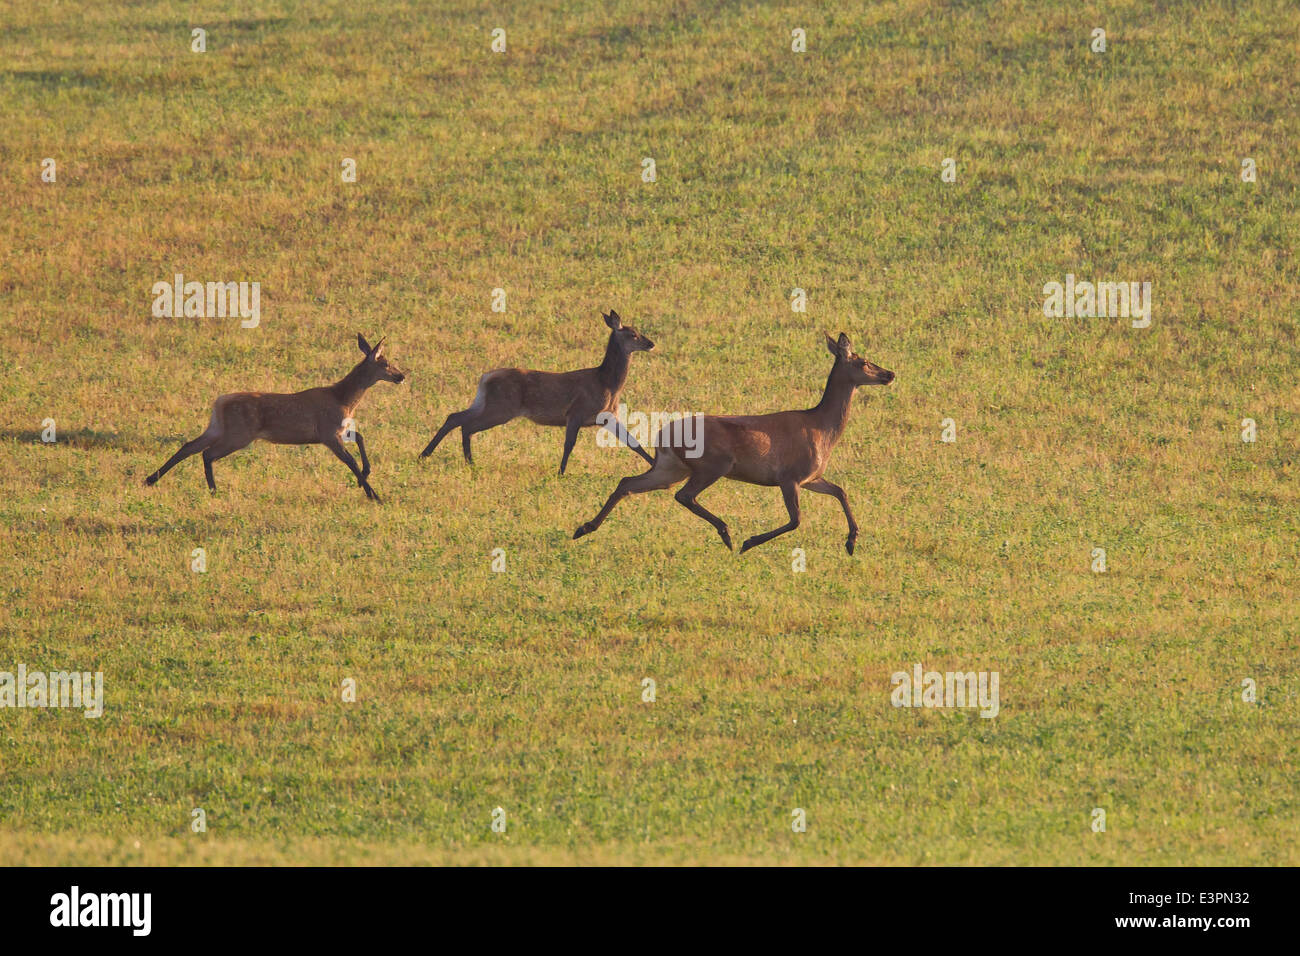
x=790 y=491
x=189 y=448
x=664 y=473
x=470 y=421
x=480 y=423
x=701 y=478
x=824 y=487
x=343 y=455
x=480 y=416
x=220 y=448
x=454 y=421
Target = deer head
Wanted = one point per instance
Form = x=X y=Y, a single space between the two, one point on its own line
x=376 y=366
x=860 y=371
x=627 y=338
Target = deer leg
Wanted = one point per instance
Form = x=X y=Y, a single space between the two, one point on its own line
x=343 y=455
x=476 y=418
x=824 y=487
x=791 y=493
x=361 y=450
x=189 y=448
x=454 y=421
x=570 y=437
x=666 y=472
x=479 y=422
x=219 y=449
x=470 y=429
x=615 y=428
x=698 y=482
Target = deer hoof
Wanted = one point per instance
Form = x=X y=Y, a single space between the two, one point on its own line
x=152 y=480
x=848 y=545
x=583 y=529
x=726 y=539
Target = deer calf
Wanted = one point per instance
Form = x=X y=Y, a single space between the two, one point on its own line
x=788 y=450
x=316 y=416
x=570 y=399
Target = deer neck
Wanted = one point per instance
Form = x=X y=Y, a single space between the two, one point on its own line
x=832 y=412
x=350 y=389
x=612 y=372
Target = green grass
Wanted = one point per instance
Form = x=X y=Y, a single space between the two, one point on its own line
x=523 y=689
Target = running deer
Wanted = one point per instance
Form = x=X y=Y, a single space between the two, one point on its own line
x=571 y=399
x=788 y=450
x=316 y=416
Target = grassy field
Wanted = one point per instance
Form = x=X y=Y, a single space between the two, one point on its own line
x=775 y=170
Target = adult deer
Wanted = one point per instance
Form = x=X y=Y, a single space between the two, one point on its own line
x=789 y=450
x=316 y=416
x=570 y=399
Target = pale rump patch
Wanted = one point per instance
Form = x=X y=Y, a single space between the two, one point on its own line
x=480 y=397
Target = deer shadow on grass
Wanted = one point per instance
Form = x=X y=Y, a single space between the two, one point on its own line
x=90 y=526
x=56 y=79
x=80 y=438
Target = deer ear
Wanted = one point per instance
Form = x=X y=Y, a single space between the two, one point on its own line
x=831 y=346
x=363 y=344
x=613 y=321
x=379 y=347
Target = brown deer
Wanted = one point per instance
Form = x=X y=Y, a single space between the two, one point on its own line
x=316 y=416
x=788 y=450
x=571 y=399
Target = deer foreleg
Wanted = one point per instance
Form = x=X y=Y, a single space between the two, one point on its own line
x=361 y=450
x=345 y=456
x=824 y=487
x=571 y=428
x=615 y=428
